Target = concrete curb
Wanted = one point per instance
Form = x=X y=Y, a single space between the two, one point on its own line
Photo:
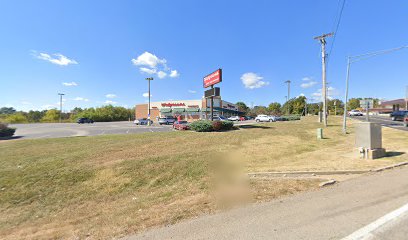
x=390 y=167
x=321 y=173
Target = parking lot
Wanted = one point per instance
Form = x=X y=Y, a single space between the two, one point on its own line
x=56 y=130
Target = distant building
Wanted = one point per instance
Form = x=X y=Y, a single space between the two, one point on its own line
x=394 y=105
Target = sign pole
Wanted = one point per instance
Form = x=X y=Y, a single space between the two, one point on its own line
x=212 y=106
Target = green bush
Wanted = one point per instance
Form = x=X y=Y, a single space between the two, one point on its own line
x=202 y=126
x=5 y=131
x=217 y=125
x=16 y=118
x=227 y=125
x=291 y=117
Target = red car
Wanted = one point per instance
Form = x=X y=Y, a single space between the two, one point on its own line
x=242 y=119
x=181 y=125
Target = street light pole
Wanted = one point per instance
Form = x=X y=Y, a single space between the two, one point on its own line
x=346 y=96
x=148 y=111
x=60 y=117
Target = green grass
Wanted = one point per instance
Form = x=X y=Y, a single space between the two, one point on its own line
x=113 y=185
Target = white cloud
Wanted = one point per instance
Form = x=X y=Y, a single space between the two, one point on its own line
x=47 y=107
x=110 y=95
x=301 y=95
x=26 y=103
x=148 y=59
x=81 y=99
x=192 y=91
x=147 y=95
x=161 y=74
x=308 y=84
x=252 y=80
x=70 y=84
x=147 y=70
x=331 y=94
x=55 y=58
x=110 y=102
x=174 y=74
x=150 y=64
x=306 y=79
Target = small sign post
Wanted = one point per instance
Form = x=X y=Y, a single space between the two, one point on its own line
x=367 y=104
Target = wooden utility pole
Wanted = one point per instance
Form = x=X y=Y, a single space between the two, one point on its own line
x=322 y=40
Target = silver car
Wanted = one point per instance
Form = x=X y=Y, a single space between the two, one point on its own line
x=167 y=120
x=142 y=121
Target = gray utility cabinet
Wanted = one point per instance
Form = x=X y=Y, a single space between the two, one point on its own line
x=368 y=135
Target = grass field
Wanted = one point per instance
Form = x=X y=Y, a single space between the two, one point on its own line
x=110 y=186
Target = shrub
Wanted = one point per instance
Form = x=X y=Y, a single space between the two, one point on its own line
x=227 y=125
x=202 y=126
x=16 y=118
x=5 y=131
x=291 y=117
x=217 y=125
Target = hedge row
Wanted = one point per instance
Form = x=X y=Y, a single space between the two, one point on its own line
x=290 y=117
x=210 y=126
x=5 y=131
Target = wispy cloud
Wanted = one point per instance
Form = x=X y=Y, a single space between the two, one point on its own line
x=252 y=80
x=110 y=102
x=55 y=58
x=331 y=94
x=192 y=91
x=150 y=64
x=26 y=103
x=308 y=84
x=146 y=95
x=110 y=95
x=70 y=84
x=81 y=99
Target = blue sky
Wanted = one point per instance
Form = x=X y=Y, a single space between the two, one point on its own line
x=89 y=47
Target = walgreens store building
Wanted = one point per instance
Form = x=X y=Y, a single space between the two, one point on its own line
x=189 y=110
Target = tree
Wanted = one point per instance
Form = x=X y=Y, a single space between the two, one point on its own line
x=335 y=104
x=242 y=107
x=51 y=115
x=274 y=108
x=353 y=103
x=7 y=110
x=35 y=116
x=294 y=106
x=16 y=118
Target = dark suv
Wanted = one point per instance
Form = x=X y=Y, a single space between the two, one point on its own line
x=84 y=120
x=398 y=115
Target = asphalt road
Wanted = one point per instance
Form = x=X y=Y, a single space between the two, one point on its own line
x=56 y=130
x=335 y=212
x=385 y=121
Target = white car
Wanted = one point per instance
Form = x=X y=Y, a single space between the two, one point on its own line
x=142 y=121
x=233 y=118
x=355 y=113
x=264 y=118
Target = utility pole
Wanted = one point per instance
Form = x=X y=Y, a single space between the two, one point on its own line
x=148 y=111
x=60 y=117
x=322 y=40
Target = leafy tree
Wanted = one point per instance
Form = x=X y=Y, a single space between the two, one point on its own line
x=7 y=110
x=313 y=108
x=242 y=107
x=35 y=116
x=353 y=103
x=16 y=118
x=274 y=108
x=335 y=104
x=294 y=106
x=258 y=110
x=51 y=115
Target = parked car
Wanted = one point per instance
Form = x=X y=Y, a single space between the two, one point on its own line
x=242 y=119
x=181 y=125
x=218 y=118
x=234 y=118
x=248 y=118
x=406 y=121
x=398 y=115
x=355 y=112
x=264 y=118
x=84 y=120
x=142 y=121
x=167 y=120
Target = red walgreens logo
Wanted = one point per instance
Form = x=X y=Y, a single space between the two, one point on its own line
x=213 y=78
x=173 y=104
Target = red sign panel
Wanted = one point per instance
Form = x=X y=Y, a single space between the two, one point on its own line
x=213 y=78
x=173 y=104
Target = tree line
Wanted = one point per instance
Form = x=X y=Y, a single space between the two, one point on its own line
x=299 y=106
x=99 y=114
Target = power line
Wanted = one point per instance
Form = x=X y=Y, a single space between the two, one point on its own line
x=338 y=19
